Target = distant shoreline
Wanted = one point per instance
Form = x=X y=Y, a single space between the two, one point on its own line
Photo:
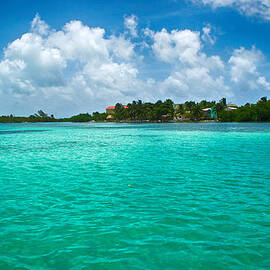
x=161 y=112
x=142 y=122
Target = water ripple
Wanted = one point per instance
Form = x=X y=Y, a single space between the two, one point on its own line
x=150 y=196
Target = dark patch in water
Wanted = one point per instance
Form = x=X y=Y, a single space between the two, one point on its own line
x=19 y=131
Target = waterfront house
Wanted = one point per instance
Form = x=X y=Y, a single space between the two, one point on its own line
x=210 y=113
x=111 y=109
x=206 y=113
x=109 y=118
x=231 y=107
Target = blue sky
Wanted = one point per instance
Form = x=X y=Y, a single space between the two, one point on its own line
x=67 y=57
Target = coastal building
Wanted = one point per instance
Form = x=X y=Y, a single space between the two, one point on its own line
x=109 y=118
x=231 y=107
x=210 y=113
x=111 y=109
x=207 y=113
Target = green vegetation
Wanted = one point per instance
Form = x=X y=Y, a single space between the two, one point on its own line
x=166 y=111
x=138 y=111
x=163 y=111
x=258 y=112
x=86 y=117
x=39 y=117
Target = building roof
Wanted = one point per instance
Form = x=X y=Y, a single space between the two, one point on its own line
x=110 y=108
x=232 y=105
x=113 y=107
x=206 y=109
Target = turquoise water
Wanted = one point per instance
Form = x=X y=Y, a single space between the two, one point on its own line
x=124 y=196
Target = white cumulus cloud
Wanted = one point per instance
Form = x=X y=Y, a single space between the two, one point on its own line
x=206 y=36
x=244 y=68
x=81 y=68
x=38 y=26
x=177 y=45
x=248 y=7
x=194 y=75
x=77 y=63
x=131 y=23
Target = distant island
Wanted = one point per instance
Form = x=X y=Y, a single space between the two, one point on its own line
x=162 y=111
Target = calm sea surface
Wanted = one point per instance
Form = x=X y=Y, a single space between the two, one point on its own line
x=126 y=196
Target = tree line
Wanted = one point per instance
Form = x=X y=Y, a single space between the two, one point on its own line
x=165 y=110
x=161 y=111
x=40 y=116
x=259 y=112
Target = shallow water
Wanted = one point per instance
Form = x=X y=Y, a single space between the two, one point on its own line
x=134 y=196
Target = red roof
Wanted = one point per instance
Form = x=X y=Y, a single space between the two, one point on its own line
x=110 y=108
x=113 y=107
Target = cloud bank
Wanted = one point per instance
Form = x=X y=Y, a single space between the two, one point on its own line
x=82 y=69
x=259 y=8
